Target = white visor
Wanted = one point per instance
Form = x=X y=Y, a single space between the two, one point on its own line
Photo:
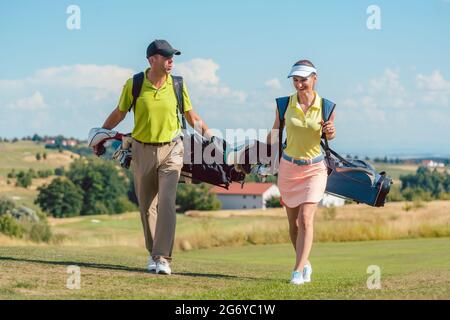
x=302 y=71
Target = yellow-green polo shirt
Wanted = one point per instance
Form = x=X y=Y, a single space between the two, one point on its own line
x=303 y=130
x=156 y=114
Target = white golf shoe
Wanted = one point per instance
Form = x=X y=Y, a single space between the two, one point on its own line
x=163 y=267
x=151 y=265
x=297 y=278
x=307 y=270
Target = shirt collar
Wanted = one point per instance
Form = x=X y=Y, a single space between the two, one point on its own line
x=316 y=104
x=168 y=80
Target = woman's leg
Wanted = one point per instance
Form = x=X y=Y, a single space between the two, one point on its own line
x=305 y=234
x=292 y=214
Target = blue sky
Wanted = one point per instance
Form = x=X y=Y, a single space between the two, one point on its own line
x=392 y=86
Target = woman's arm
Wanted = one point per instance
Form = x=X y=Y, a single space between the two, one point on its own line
x=273 y=134
x=329 y=129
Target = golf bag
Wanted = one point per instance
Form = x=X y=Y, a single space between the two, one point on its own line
x=213 y=170
x=218 y=163
x=356 y=180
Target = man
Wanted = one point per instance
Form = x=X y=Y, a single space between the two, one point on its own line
x=157 y=150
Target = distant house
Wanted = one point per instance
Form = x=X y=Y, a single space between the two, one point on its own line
x=433 y=164
x=50 y=142
x=251 y=196
x=69 y=143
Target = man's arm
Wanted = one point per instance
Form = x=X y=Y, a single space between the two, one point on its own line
x=196 y=122
x=111 y=122
x=114 y=119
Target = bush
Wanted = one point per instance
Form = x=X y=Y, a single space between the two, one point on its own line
x=196 y=197
x=61 y=198
x=411 y=194
x=11 y=174
x=122 y=204
x=24 y=180
x=395 y=194
x=59 y=171
x=10 y=226
x=273 y=202
x=6 y=205
x=40 y=232
x=44 y=173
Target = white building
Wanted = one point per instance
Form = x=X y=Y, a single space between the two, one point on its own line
x=251 y=196
x=433 y=164
x=331 y=201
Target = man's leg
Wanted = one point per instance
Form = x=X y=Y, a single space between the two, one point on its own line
x=146 y=188
x=169 y=174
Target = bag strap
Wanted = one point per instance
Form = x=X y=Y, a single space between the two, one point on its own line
x=138 y=81
x=282 y=105
x=178 y=88
x=327 y=109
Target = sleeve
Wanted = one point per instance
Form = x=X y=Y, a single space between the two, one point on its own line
x=126 y=98
x=186 y=99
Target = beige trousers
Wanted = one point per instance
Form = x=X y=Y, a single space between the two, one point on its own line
x=156 y=174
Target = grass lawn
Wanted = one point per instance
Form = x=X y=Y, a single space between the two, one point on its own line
x=410 y=269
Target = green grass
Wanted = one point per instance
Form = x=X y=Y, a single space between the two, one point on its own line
x=14 y=155
x=410 y=269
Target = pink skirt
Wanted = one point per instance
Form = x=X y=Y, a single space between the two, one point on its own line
x=301 y=184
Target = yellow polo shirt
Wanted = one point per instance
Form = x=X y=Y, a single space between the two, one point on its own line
x=156 y=111
x=303 y=130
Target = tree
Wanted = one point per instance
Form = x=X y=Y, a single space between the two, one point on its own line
x=38 y=156
x=45 y=155
x=61 y=198
x=103 y=183
x=36 y=138
x=196 y=197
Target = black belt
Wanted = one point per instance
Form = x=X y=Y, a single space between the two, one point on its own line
x=156 y=144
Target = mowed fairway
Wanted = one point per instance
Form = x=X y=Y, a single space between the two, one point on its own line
x=410 y=269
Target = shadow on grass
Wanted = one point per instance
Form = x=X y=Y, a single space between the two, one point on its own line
x=118 y=268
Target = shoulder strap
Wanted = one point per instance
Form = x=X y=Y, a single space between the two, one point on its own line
x=327 y=109
x=138 y=80
x=178 y=88
x=282 y=105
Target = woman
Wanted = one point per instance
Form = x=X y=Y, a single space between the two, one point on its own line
x=302 y=174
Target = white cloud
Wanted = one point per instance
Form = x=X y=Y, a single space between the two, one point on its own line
x=436 y=90
x=204 y=83
x=76 y=98
x=32 y=103
x=388 y=90
x=199 y=71
x=273 y=84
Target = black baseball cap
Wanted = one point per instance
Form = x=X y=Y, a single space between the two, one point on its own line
x=161 y=47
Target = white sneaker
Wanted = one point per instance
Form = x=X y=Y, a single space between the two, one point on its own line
x=151 y=265
x=297 y=278
x=163 y=267
x=307 y=270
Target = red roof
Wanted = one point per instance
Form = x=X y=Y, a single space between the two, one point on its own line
x=250 y=188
